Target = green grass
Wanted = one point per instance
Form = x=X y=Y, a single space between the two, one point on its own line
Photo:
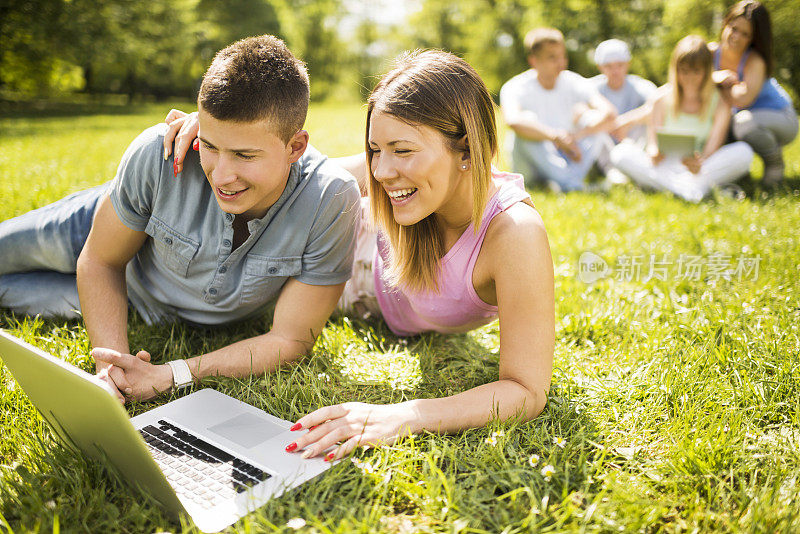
x=677 y=399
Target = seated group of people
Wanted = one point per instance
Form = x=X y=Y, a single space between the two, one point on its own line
x=420 y=230
x=720 y=97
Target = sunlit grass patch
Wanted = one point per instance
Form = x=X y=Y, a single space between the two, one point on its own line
x=366 y=358
x=674 y=406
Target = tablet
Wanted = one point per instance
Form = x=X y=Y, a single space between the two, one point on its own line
x=676 y=144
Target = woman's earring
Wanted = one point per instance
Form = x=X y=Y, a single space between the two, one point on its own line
x=464 y=166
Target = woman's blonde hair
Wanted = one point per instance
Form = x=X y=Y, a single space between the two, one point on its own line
x=442 y=91
x=691 y=51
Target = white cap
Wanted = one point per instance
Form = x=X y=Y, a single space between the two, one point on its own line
x=612 y=51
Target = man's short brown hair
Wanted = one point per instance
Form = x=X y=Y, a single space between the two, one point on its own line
x=254 y=79
x=537 y=38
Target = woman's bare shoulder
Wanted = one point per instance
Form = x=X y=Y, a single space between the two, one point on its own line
x=520 y=227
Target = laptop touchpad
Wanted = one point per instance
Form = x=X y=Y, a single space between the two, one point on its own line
x=247 y=430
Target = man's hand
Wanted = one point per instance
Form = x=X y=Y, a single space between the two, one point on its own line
x=693 y=163
x=115 y=377
x=565 y=142
x=132 y=375
x=620 y=132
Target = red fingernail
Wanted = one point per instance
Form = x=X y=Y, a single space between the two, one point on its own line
x=296 y=426
x=329 y=457
x=313 y=427
x=290 y=447
x=174 y=169
x=196 y=144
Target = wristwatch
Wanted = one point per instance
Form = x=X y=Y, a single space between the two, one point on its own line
x=181 y=375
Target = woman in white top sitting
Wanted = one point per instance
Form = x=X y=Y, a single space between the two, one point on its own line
x=689 y=105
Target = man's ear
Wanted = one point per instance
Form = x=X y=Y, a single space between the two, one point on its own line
x=297 y=145
x=532 y=60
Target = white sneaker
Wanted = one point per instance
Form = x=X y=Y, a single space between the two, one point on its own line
x=615 y=176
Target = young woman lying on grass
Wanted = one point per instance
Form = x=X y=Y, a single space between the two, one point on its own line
x=458 y=245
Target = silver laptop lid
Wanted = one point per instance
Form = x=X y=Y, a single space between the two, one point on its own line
x=85 y=413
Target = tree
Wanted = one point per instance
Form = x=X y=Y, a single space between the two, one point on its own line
x=311 y=30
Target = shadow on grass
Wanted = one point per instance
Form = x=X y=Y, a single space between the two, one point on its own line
x=488 y=476
x=47 y=109
x=65 y=487
x=757 y=191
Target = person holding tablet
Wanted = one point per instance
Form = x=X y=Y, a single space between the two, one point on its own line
x=687 y=105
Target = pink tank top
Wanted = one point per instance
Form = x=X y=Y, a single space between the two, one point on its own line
x=456 y=307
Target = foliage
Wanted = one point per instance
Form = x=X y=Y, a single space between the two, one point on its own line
x=161 y=47
x=674 y=404
x=312 y=35
x=158 y=48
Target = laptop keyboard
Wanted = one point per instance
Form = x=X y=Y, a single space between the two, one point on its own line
x=196 y=469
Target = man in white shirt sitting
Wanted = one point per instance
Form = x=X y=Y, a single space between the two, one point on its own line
x=555 y=116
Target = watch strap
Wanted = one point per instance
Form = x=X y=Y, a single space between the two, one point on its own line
x=181 y=375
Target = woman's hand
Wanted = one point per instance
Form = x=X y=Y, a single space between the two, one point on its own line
x=725 y=78
x=693 y=162
x=656 y=156
x=182 y=132
x=351 y=425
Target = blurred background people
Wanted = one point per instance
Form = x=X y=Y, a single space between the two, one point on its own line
x=555 y=116
x=629 y=95
x=743 y=67
x=689 y=105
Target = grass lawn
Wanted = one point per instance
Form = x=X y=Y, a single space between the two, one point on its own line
x=675 y=400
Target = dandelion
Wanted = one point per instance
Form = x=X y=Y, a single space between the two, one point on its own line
x=548 y=471
x=323 y=376
x=533 y=461
x=491 y=440
x=296 y=523
x=498 y=434
x=51 y=504
x=561 y=442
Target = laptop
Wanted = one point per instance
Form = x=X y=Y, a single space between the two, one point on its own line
x=676 y=144
x=206 y=454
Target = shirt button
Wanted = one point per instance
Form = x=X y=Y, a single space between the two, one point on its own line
x=223 y=269
x=228 y=217
x=227 y=242
x=168 y=240
x=212 y=291
x=272 y=270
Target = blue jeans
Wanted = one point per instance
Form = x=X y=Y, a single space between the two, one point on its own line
x=542 y=161
x=39 y=254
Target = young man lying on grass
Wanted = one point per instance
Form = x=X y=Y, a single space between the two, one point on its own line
x=263 y=220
